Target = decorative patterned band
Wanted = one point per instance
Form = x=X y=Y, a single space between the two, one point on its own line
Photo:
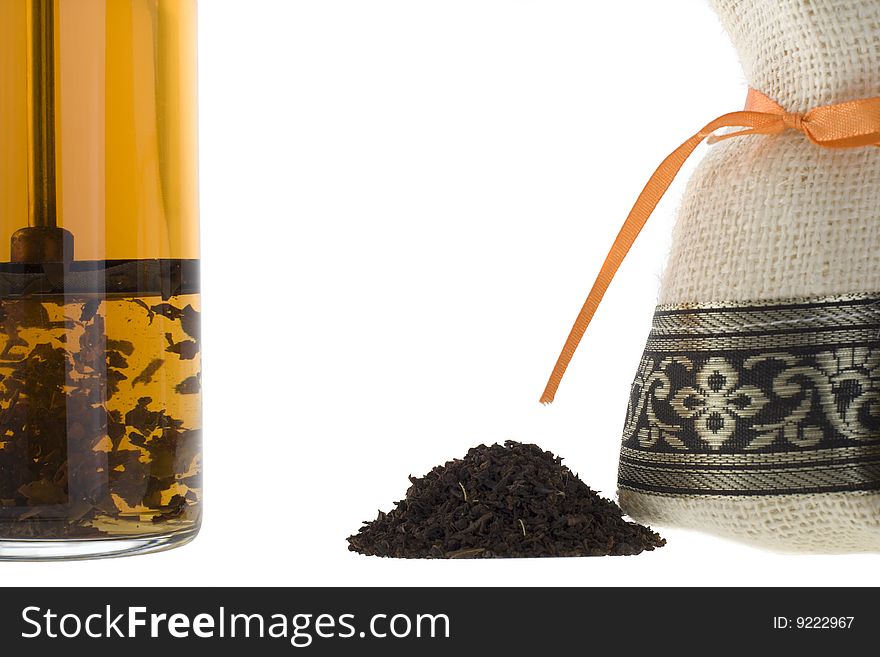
x=757 y=399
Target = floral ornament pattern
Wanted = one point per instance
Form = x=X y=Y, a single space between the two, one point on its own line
x=854 y=377
x=832 y=397
x=756 y=399
x=717 y=402
x=652 y=386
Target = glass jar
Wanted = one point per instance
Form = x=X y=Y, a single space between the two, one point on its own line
x=100 y=365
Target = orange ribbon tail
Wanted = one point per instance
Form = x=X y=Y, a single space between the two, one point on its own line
x=844 y=125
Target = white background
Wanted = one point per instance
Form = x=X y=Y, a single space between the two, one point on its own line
x=404 y=203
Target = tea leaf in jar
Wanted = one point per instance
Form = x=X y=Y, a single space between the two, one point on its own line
x=89 y=309
x=187 y=350
x=146 y=376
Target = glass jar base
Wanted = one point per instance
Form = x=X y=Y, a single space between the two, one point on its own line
x=103 y=548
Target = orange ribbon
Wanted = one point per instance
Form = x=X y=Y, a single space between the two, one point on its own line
x=843 y=125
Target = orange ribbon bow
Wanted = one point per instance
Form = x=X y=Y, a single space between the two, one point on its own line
x=843 y=125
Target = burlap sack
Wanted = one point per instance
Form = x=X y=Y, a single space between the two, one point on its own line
x=755 y=413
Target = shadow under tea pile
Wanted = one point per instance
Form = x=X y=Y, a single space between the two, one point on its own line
x=510 y=500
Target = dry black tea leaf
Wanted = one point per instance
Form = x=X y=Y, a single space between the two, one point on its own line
x=510 y=500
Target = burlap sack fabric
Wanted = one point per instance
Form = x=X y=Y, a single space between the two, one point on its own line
x=764 y=355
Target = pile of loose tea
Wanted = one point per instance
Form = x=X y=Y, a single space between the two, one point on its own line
x=510 y=500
